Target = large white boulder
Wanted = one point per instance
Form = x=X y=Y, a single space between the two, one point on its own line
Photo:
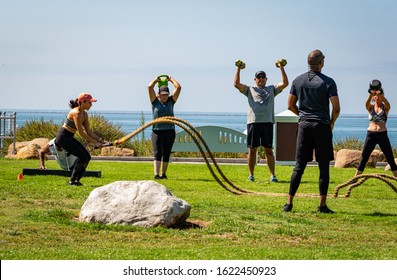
x=140 y=203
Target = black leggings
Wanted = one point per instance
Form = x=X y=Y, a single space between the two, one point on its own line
x=67 y=141
x=299 y=169
x=371 y=140
x=162 y=141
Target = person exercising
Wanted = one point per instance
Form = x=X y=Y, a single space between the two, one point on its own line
x=163 y=134
x=64 y=159
x=378 y=108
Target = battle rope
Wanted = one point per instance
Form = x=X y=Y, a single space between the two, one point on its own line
x=199 y=141
x=233 y=188
x=360 y=179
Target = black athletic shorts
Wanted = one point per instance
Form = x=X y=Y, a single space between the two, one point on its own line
x=314 y=136
x=260 y=134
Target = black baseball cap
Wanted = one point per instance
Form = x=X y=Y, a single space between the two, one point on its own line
x=262 y=73
x=164 y=90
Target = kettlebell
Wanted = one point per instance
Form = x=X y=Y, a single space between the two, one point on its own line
x=163 y=80
x=375 y=85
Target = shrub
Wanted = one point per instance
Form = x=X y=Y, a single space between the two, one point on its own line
x=105 y=129
x=354 y=144
x=37 y=129
x=351 y=143
x=48 y=129
x=142 y=147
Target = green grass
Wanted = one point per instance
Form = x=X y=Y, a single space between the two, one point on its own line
x=39 y=217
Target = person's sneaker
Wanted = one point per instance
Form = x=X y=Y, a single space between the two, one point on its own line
x=157 y=177
x=325 y=209
x=251 y=178
x=273 y=179
x=75 y=183
x=287 y=207
x=163 y=176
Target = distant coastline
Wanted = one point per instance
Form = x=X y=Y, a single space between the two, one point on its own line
x=347 y=125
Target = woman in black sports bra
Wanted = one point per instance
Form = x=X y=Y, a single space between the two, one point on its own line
x=378 y=108
x=77 y=120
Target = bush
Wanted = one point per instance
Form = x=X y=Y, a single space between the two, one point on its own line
x=30 y=130
x=48 y=129
x=142 y=147
x=354 y=144
x=351 y=143
x=37 y=129
x=105 y=129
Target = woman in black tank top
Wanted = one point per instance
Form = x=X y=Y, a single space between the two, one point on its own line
x=77 y=121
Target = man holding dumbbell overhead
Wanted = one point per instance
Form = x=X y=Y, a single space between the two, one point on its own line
x=260 y=117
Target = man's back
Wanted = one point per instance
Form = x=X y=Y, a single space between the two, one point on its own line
x=313 y=90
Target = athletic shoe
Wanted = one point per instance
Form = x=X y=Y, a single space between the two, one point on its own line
x=156 y=177
x=287 y=207
x=75 y=183
x=325 y=209
x=251 y=178
x=163 y=176
x=273 y=179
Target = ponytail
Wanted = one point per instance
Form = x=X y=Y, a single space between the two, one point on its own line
x=73 y=103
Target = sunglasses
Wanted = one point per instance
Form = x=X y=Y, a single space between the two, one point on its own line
x=261 y=77
x=86 y=101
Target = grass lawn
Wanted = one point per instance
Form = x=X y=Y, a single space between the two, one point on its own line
x=39 y=217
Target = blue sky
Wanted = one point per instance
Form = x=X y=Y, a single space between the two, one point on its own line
x=52 y=50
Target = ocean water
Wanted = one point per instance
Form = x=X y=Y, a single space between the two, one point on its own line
x=346 y=126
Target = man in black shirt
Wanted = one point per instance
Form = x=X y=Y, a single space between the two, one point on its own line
x=314 y=91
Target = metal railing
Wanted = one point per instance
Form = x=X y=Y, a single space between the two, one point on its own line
x=8 y=129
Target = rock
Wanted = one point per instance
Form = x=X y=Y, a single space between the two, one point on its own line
x=115 y=151
x=37 y=143
x=381 y=157
x=387 y=168
x=30 y=151
x=351 y=158
x=139 y=203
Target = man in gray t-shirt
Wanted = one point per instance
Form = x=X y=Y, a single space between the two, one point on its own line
x=260 y=117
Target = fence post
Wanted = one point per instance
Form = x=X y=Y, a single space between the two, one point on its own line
x=14 y=151
x=9 y=132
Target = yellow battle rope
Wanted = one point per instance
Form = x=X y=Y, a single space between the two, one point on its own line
x=360 y=179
